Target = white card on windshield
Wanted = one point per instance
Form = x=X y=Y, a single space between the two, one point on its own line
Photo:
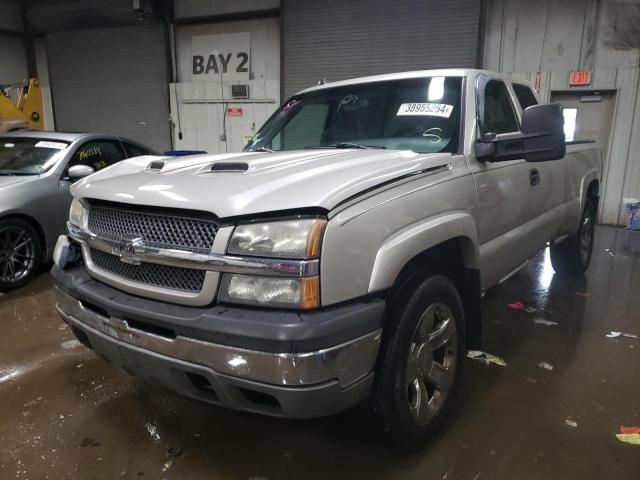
x=429 y=109
x=54 y=145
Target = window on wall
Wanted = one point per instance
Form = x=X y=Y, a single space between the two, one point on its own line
x=499 y=115
x=525 y=95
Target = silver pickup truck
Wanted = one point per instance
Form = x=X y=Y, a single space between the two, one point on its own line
x=340 y=258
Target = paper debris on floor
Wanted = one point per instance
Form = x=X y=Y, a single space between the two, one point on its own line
x=516 y=305
x=571 y=423
x=546 y=366
x=629 y=429
x=629 y=435
x=632 y=438
x=546 y=323
x=622 y=334
x=485 y=357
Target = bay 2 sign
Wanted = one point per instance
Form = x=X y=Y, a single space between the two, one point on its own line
x=226 y=55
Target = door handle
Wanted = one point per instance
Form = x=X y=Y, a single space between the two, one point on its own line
x=534 y=177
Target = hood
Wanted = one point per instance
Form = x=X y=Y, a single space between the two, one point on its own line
x=6 y=180
x=248 y=183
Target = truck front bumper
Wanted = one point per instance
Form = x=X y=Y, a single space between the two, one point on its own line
x=211 y=353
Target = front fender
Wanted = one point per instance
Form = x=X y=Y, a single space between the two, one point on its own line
x=398 y=249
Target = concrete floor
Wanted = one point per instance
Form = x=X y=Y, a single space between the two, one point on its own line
x=68 y=414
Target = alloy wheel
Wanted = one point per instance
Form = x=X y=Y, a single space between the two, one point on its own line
x=17 y=254
x=431 y=362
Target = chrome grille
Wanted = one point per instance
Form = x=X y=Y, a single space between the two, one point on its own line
x=155 y=229
x=184 y=279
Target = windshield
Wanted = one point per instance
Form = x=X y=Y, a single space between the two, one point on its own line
x=419 y=114
x=28 y=156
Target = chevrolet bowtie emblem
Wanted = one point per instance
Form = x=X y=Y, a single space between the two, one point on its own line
x=129 y=250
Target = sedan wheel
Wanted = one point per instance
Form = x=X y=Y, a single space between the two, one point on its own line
x=19 y=253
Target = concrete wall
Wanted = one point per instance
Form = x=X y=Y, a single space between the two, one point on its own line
x=190 y=9
x=554 y=37
x=42 y=66
x=13 y=60
x=11 y=16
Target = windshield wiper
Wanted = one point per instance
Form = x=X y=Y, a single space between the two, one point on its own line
x=262 y=149
x=347 y=145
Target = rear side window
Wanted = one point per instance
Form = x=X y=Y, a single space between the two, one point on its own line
x=499 y=115
x=525 y=95
x=98 y=154
x=134 y=150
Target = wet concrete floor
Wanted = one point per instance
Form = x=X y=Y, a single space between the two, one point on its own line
x=64 y=413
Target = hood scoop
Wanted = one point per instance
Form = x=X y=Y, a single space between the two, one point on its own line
x=155 y=166
x=229 y=167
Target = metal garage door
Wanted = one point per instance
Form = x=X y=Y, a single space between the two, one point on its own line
x=111 y=80
x=337 y=39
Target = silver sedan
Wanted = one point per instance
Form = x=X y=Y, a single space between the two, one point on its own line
x=36 y=170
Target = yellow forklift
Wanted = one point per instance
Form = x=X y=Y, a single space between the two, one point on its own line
x=26 y=113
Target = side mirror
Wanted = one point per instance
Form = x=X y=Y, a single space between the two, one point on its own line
x=541 y=138
x=543 y=133
x=79 y=171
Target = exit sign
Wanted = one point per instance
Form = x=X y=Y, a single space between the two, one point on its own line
x=580 y=77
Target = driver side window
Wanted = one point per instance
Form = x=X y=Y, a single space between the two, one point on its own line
x=499 y=114
x=98 y=154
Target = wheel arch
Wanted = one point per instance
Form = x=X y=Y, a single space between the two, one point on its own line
x=589 y=188
x=593 y=191
x=443 y=245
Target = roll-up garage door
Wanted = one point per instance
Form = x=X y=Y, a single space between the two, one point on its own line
x=111 y=80
x=337 y=39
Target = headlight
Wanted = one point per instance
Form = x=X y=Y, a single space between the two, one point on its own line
x=76 y=213
x=282 y=239
x=270 y=291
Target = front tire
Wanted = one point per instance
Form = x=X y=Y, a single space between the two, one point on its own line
x=20 y=253
x=421 y=362
x=572 y=256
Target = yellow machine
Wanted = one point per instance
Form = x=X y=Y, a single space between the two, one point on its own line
x=26 y=113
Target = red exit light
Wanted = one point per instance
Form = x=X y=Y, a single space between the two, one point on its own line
x=580 y=77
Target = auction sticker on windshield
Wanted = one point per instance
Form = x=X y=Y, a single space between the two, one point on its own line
x=430 y=109
x=54 y=145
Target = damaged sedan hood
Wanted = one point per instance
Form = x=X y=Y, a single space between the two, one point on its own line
x=6 y=180
x=246 y=183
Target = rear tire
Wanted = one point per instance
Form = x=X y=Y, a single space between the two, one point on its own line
x=572 y=256
x=20 y=253
x=420 y=362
